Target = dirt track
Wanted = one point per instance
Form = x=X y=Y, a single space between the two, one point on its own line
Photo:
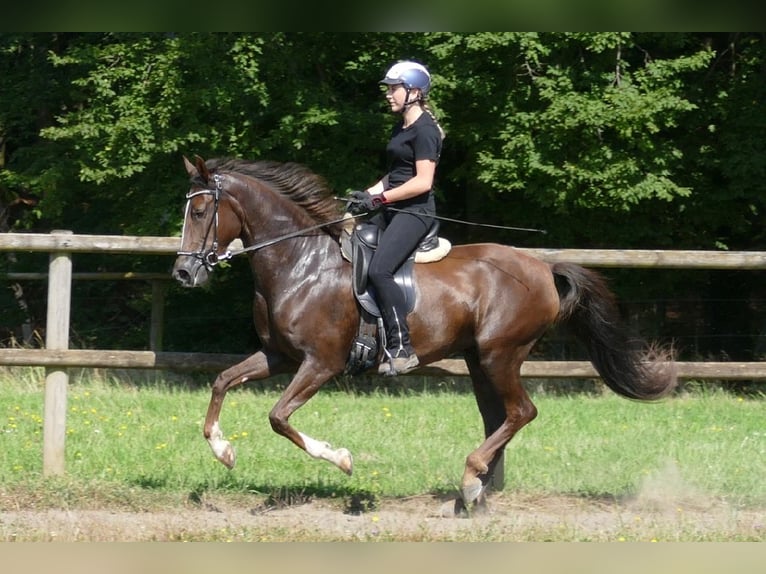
x=508 y=518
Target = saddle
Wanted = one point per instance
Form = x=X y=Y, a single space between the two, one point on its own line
x=358 y=245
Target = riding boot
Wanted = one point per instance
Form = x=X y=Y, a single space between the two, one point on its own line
x=400 y=356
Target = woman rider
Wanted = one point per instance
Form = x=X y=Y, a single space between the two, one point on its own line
x=413 y=153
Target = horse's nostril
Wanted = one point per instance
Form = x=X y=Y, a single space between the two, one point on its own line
x=182 y=276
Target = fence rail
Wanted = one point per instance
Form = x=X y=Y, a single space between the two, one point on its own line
x=174 y=361
x=57 y=357
x=640 y=258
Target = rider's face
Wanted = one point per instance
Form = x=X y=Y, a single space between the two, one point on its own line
x=396 y=96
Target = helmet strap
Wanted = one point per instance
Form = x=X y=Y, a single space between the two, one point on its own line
x=407 y=102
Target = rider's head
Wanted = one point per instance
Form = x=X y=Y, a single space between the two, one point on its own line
x=412 y=76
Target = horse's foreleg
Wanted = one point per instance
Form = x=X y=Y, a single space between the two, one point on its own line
x=304 y=385
x=257 y=366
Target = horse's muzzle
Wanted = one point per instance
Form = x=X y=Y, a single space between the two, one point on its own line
x=190 y=272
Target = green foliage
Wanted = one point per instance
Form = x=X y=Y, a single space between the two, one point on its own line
x=564 y=122
x=581 y=127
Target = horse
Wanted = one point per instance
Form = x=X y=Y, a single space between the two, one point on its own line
x=487 y=302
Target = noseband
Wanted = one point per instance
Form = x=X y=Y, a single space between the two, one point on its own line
x=209 y=257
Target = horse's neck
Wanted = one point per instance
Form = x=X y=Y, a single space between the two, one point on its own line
x=301 y=261
x=287 y=262
x=259 y=225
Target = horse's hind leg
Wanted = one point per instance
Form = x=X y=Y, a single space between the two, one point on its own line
x=505 y=408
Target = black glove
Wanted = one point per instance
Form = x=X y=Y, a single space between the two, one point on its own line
x=361 y=201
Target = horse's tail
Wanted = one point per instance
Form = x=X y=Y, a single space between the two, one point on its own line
x=628 y=365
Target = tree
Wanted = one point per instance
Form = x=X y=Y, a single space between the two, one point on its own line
x=570 y=128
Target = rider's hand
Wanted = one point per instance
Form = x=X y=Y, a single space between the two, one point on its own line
x=361 y=201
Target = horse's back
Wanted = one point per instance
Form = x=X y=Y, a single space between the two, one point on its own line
x=486 y=289
x=509 y=255
x=509 y=264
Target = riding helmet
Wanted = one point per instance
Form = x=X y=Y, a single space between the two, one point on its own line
x=410 y=74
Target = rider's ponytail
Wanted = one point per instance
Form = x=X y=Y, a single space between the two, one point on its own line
x=427 y=108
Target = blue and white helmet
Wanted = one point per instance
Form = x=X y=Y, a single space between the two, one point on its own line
x=410 y=74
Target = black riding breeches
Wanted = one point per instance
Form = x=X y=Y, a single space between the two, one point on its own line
x=400 y=237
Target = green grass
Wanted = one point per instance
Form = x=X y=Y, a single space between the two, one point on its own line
x=126 y=437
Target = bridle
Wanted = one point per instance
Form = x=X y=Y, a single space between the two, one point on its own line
x=208 y=257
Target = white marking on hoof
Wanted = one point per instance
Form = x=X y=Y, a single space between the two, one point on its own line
x=319 y=449
x=471 y=490
x=221 y=447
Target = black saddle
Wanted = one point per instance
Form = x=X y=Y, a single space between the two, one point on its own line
x=365 y=352
x=364 y=241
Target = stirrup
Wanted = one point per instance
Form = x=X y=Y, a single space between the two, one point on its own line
x=398 y=366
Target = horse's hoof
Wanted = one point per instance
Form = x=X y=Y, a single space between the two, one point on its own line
x=472 y=490
x=345 y=461
x=228 y=457
x=454 y=509
x=480 y=506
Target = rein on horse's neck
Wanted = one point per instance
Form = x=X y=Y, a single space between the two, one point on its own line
x=229 y=254
x=267 y=243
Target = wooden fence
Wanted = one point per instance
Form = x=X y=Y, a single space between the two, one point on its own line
x=57 y=357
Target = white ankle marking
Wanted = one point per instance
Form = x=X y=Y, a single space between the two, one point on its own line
x=322 y=450
x=315 y=448
x=216 y=441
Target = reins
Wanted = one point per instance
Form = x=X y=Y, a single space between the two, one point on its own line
x=211 y=258
x=229 y=254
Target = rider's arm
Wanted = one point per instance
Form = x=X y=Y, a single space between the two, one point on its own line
x=421 y=182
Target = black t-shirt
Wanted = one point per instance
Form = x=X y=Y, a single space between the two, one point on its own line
x=421 y=140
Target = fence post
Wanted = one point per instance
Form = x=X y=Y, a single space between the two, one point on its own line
x=56 y=379
x=158 y=315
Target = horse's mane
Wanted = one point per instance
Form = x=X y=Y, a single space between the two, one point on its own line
x=294 y=181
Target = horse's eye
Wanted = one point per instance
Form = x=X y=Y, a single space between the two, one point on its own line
x=198 y=213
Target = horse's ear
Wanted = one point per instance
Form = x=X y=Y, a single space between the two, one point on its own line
x=201 y=167
x=190 y=169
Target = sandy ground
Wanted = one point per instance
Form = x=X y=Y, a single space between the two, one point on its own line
x=508 y=517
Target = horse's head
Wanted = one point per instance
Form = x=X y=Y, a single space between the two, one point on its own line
x=210 y=224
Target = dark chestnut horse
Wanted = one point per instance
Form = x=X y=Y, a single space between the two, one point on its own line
x=489 y=303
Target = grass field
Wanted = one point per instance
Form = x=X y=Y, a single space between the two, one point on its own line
x=133 y=444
